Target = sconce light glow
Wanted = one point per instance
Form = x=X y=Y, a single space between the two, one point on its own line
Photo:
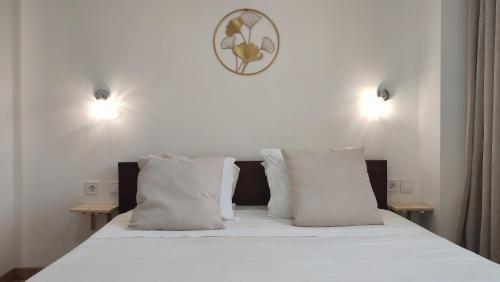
x=104 y=107
x=373 y=107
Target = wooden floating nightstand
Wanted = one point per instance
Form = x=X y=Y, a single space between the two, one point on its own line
x=94 y=210
x=408 y=208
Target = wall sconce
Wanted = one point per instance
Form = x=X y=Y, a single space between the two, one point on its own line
x=104 y=107
x=101 y=94
x=373 y=103
x=383 y=93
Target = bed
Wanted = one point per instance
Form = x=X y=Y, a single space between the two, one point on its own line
x=257 y=247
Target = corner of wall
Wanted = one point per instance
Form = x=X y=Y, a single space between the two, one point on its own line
x=429 y=85
x=442 y=97
x=8 y=240
x=453 y=111
x=16 y=106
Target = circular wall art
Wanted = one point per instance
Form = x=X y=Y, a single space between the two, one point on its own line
x=246 y=41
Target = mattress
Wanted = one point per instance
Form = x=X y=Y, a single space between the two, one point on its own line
x=256 y=247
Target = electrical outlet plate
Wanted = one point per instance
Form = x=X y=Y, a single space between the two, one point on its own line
x=113 y=187
x=393 y=185
x=91 y=187
x=406 y=186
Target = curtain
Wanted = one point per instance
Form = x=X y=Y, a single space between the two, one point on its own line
x=479 y=222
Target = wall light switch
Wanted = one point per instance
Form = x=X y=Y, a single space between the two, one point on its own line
x=393 y=185
x=407 y=186
x=91 y=187
x=113 y=187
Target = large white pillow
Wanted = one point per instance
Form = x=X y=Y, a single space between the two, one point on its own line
x=331 y=188
x=280 y=203
x=229 y=178
x=178 y=193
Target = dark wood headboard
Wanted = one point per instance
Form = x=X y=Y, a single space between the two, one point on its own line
x=252 y=188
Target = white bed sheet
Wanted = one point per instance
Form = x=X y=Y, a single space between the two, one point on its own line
x=255 y=247
x=256 y=223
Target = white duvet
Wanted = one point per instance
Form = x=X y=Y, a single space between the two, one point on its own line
x=255 y=247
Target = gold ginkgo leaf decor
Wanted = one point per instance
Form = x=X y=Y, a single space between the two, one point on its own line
x=233 y=27
x=248 y=52
x=251 y=36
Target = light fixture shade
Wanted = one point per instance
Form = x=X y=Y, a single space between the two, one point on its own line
x=383 y=93
x=101 y=93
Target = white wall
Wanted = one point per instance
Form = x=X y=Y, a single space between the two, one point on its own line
x=429 y=88
x=7 y=226
x=156 y=56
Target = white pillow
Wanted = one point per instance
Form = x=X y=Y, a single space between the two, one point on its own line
x=280 y=203
x=230 y=175
x=331 y=188
x=229 y=178
x=178 y=193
